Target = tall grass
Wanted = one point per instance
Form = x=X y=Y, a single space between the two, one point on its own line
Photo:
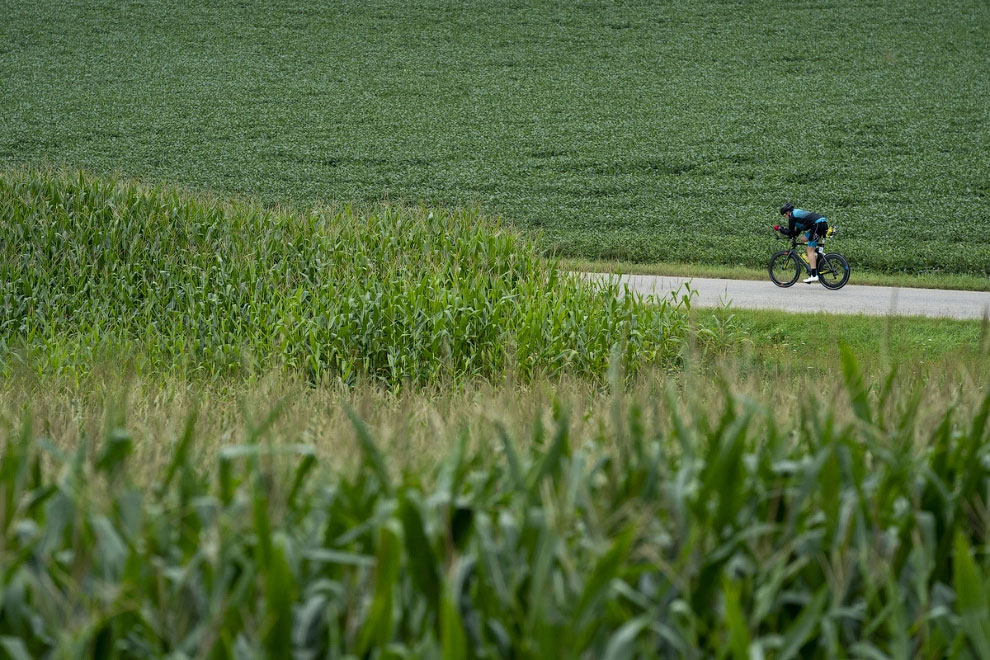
x=693 y=520
x=95 y=267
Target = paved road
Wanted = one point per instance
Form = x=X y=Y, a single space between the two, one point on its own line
x=851 y=299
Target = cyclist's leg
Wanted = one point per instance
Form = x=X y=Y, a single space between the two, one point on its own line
x=817 y=231
x=812 y=244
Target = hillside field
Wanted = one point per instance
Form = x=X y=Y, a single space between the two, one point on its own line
x=635 y=131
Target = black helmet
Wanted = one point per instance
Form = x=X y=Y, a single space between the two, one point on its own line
x=786 y=207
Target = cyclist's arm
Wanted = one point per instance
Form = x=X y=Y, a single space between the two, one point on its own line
x=796 y=215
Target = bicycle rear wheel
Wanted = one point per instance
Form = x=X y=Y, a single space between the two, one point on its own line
x=784 y=268
x=833 y=270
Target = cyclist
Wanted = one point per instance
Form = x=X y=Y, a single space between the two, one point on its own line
x=814 y=225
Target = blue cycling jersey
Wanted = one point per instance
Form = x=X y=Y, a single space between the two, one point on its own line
x=802 y=220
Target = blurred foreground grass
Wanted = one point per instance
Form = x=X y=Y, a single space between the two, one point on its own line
x=700 y=514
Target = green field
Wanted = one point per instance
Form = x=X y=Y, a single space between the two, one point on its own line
x=636 y=131
x=284 y=371
x=230 y=431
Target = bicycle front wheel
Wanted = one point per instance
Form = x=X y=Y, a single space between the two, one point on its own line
x=784 y=268
x=833 y=270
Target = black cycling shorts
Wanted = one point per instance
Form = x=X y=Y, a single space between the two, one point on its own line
x=818 y=230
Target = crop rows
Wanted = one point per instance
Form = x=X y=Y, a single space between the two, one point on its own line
x=630 y=130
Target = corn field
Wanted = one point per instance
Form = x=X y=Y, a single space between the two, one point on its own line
x=681 y=530
x=96 y=268
x=691 y=519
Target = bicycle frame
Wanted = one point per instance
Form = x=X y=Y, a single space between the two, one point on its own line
x=794 y=249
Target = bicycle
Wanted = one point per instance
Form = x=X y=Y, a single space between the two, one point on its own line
x=785 y=265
